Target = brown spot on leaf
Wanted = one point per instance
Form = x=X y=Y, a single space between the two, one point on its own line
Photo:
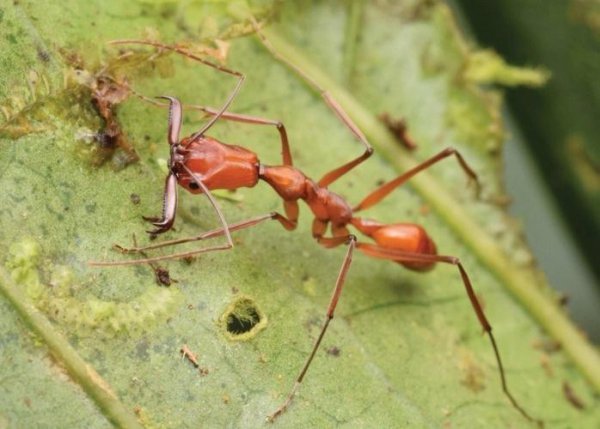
x=398 y=127
x=572 y=396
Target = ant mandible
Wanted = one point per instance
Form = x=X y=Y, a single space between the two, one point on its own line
x=200 y=163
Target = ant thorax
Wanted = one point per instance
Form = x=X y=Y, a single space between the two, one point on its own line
x=326 y=205
x=218 y=165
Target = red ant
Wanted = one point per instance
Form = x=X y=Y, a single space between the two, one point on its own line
x=200 y=163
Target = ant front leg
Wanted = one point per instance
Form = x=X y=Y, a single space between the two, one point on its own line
x=335 y=174
x=235 y=117
x=255 y=120
x=239 y=76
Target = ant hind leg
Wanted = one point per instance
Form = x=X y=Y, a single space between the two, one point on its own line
x=380 y=252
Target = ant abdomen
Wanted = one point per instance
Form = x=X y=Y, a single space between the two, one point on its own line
x=405 y=237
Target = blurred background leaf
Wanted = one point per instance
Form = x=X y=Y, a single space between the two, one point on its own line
x=560 y=129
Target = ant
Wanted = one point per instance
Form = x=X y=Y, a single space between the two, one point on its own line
x=200 y=163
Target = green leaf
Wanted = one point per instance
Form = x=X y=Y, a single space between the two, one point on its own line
x=405 y=349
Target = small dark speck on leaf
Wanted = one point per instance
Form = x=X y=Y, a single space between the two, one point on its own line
x=563 y=299
x=162 y=276
x=135 y=199
x=334 y=351
x=90 y=208
x=547 y=345
x=546 y=365
x=313 y=322
x=572 y=396
x=397 y=126
x=43 y=55
x=141 y=349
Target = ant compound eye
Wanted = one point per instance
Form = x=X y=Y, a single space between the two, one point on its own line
x=194 y=185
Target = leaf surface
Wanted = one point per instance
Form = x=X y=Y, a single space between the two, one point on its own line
x=405 y=349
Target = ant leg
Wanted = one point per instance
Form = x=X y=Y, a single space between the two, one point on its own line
x=208 y=194
x=228 y=245
x=248 y=119
x=161 y=275
x=381 y=192
x=175 y=119
x=350 y=240
x=170 y=194
x=226 y=231
x=236 y=117
x=287 y=223
x=399 y=256
x=292 y=211
x=169 y=207
x=191 y=56
x=335 y=174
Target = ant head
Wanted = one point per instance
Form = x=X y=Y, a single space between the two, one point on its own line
x=189 y=184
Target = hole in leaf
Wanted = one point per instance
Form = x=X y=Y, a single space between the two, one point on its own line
x=243 y=319
x=240 y=323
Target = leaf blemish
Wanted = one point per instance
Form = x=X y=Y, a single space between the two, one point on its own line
x=242 y=319
x=51 y=288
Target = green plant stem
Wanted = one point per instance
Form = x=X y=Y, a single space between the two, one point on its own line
x=79 y=370
x=520 y=283
x=352 y=32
